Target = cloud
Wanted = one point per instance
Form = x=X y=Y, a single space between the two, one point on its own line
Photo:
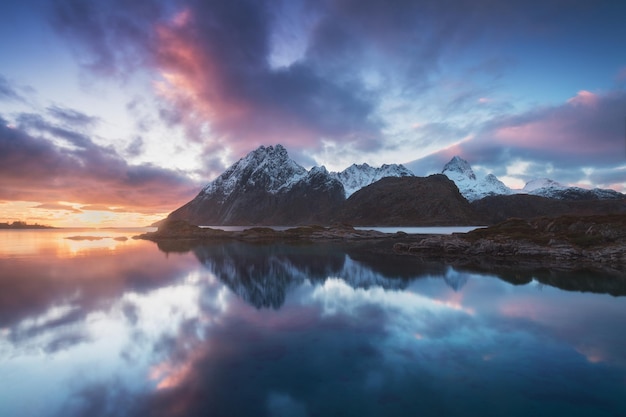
x=219 y=76
x=72 y=117
x=101 y=207
x=221 y=81
x=37 y=123
x=587 y=131
x=347 y=74
x=8 y=91
x=110 y=36
x=34 y=168
x=57 y=206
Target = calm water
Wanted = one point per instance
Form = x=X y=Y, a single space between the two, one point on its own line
x=112 y=327
x=443 y=230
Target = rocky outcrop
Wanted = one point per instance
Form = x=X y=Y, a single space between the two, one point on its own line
x=567 y=241
x=183 y=232
x=415 y=201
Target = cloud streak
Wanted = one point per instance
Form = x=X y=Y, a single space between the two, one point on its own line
x=8 y=91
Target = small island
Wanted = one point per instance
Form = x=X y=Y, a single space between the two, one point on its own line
x=23 y=225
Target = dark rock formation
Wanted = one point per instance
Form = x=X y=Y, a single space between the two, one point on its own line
x=494 y=209
x=563 y=242
x=415 y=201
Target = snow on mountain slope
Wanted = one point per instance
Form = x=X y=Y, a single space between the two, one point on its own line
x=472 y=188
x=545 y=187
x=541 y=183
x=269 y=167
x=356 y=176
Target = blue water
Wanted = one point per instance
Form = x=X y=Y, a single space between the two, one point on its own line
x=113 y=327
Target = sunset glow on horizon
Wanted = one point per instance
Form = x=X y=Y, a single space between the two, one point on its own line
x=115 y=113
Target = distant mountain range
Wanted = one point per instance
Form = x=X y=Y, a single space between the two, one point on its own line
x=266 y=187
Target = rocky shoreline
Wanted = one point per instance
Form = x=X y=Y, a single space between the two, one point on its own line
x=564 y=243
x=182 y=230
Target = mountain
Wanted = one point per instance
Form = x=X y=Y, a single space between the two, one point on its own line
x=404 y=201
x=356 y=176
x=266 y=187
x=472 y=188
x=545 y=187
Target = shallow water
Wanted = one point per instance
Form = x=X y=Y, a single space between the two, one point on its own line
x=104 y=326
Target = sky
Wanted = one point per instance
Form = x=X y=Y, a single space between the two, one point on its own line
x=115 y=113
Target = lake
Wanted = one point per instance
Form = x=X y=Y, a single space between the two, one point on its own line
x=93 y=323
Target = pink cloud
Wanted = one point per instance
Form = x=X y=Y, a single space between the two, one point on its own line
x=584 y=98
x=588 y=125
x=217 y=83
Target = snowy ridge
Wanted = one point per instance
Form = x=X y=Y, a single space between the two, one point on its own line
x=272 y=169
x=460 y=171
x=472 y=188
x=545 y=187
x=540 y=183
x=356 y=176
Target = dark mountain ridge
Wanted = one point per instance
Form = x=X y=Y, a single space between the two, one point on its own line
x=401 y=201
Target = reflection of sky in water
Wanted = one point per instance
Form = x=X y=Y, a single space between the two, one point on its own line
x=142 y=333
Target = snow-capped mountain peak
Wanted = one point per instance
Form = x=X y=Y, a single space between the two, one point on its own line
x=460 y=171
x=358 y=176
x=458 y=166
x=269 y=167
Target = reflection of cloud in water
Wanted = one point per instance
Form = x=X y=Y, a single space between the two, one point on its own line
x=282 y=405
x=149 y=335
x=586 y=322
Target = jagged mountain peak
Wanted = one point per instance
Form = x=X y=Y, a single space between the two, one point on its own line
x=460 y=166
x=472 y=188
x=265 y=187
x=268 y=167
x=357 y=176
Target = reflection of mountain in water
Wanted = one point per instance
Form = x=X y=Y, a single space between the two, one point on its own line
x=262 y=274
